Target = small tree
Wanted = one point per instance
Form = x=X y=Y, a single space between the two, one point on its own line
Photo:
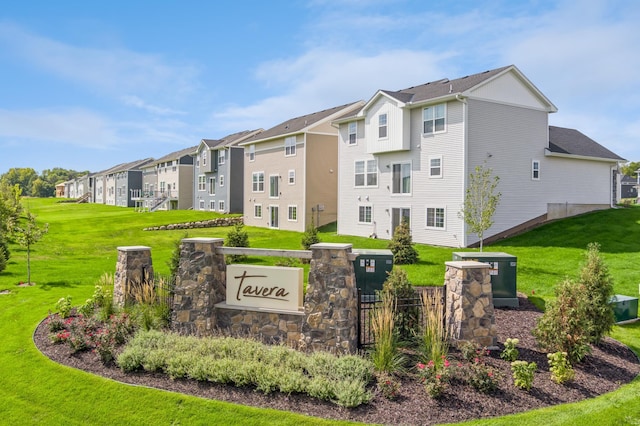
x=480 y=202
x=401 y=245
x=237 y=237
x=310 y=236
x=174 y=261
x=599 y=289
x=27 y=234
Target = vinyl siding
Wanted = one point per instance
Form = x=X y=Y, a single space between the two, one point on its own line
x=320 y=180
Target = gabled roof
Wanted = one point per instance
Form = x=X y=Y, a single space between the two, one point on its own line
x=133 y=165
x=570 y=142
x=303 y=123
x=229 y=140
x=176 y=155
x=445 y=89
x=628 y=180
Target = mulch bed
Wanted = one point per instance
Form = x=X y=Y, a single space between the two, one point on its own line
x=610 y=365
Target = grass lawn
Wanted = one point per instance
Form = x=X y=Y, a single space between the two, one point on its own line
x=81 y=246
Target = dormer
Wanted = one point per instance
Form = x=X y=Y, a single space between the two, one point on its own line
x=387 y=124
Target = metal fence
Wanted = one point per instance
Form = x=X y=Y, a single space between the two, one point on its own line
x=409 y=314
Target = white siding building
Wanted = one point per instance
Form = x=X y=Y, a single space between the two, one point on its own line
x=408 y=154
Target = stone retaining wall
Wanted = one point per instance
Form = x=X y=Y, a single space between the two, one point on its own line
x=211 y=223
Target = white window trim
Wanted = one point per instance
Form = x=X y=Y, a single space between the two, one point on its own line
x=222 y=157
x=291 y=174
x=402 y=194
x=444 y=224
x=204 y=158
x=365 y=206
x=533 y=170
x=212 y=205
x=221 y=179
x=292 y=147
x=365 y=174
x=355 y=133
x=254 y=174
x=252 y=153
x=254 y=211
x=445 y=120
x=289 y=213
x=202 y=184
x=201 y=205
x=434 y=157
x=212 y=185
x=386 y=125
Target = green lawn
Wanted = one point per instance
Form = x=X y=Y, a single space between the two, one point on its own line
x=81 y=246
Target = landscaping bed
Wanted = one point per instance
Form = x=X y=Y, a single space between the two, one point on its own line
x=609 y=365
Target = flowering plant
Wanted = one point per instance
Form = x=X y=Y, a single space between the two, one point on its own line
x=482 y=377
x=435 y=376
x=510 y=352
x=388 y=386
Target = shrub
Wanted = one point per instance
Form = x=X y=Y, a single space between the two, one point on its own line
x=482 y=377
x=237 y=237
x=564 y=326
x=351 y=393
x=560 y=368
x=174 y=261
x=87 y=309
x=599 y=289
x=523 y=372
x=407 y=315
x=63 y=305
x=310 y=236
x=401 y=245
x=3 y=259
x=435 y=377
x=4 y=248
x=55 y=323
x=469 y=350
x=510 y=352
x=387 y=385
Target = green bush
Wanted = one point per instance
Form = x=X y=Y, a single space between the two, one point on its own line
x=510 y=352
x=401 y=245
x=482 y=377
x=599 y=289
x=237 y=237
x=63 y=305
x=564 y=326
x=310 y=237
x=523 y=374
x=351 y=393
x=385 y=355
x=3 y=259
x=407 y=314
x=560 y=367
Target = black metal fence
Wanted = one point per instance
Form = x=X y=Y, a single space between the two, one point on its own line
x=409 y=315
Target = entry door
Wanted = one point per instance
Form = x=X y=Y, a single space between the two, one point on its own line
x=397 y=215
x=273 y=215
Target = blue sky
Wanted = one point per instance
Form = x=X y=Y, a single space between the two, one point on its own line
x=86 y=85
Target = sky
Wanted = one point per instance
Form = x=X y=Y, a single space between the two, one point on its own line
x=86 y=85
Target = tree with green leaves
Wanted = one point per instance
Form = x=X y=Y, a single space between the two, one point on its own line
x=480 y=202
x=630 y=168
x=23 y=177
x=26 y=232
x=401 y=245
x=237 y=237
x=599 y=289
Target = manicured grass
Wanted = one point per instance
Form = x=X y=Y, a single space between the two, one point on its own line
x=81 y=245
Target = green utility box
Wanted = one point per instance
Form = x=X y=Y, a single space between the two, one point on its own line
x=625 y=308
x=371 y=269
x=503 y=274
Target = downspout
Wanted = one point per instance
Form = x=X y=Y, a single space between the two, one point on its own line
x=304 y=191
x=465 y=154
x=611 y=201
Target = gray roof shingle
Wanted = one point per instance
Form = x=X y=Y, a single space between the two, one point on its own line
x=573 y=142
x=228 y=140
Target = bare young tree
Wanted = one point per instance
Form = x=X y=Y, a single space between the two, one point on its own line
x=480 y=201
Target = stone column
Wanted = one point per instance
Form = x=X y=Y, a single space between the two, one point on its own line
x=200 y=284
x=469 y=303
x=133 y=267
x=330 y=304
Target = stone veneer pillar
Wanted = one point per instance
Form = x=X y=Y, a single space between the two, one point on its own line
x=469 y=303
x=200 y=284
x=330 y=304
x=133 y=266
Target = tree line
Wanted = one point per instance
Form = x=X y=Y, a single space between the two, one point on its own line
x=41 y=185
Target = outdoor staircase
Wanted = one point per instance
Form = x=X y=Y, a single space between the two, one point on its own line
x=84 y=198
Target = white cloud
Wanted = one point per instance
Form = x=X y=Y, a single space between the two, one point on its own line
x=137 y=102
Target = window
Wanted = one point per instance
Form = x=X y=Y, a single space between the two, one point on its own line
x=353 y=132
x=535 y=170
x=221 y=180
x=257 y=182
x=257 y=211
x=382 y=126
x=435 y=167
x=293 y=213
x=202 y=183
x=201 y=204
x=204 y=158
x=252 y=152
x=401 y=178
x=273 y=216
x=221 y=205
x=292 y=177
x=221 y=155
x=273 y=186
x=212 y=186
x=365 y=214
x=366 y=173
x=290 y=146
x=433 y=119
x=212 y=205
x=435 y=217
